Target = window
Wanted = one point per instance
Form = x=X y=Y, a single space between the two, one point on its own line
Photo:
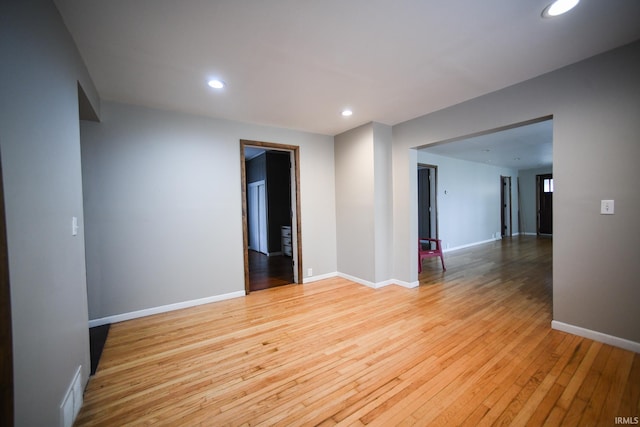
x=547 y=185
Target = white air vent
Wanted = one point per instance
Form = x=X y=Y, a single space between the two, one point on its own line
x=72 y=402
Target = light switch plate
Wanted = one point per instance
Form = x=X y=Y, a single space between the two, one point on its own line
x=606 y=207
x=74 y=226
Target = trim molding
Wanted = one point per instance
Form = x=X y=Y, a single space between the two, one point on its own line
x=379 y=285
x=404 y=284
x=296 y=206
x=468 y=245
x=495 y=239
x=358 y=280
x=596 y=336
x=163 y=309
x=320 y=277
x=215 y=298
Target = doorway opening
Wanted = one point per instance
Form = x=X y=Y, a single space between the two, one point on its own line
x=544 y=204
x=6 y=339
x=97 y=334
x=427 y=201
x=270 y=214
x=505 y=206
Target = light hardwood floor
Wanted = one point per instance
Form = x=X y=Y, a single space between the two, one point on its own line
x=472 y=346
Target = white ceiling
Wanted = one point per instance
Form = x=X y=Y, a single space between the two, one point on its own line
x=298 y=63
x=523 y=147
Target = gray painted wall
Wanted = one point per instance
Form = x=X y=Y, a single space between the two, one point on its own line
x=163 y=206
x=355 y=213
x=363 y=208
x=469 y=200
x=141 y=161
x=40 y=143
x=383 y=208
x=595 y=110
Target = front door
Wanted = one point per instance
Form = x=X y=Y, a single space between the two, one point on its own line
x=505 y=205
x=545 y=203
x=427 y=209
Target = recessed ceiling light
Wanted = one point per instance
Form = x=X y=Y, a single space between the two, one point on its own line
x=558 y=7
x=346 y=113
x=216 y=84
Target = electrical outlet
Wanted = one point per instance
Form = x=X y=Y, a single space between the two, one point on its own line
x=309 y=272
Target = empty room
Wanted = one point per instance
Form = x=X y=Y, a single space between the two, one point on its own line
x=442 y=197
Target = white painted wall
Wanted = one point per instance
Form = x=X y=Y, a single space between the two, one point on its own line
x=595 y=109
x=528 y=197
x=163 y=206
x=469 y=200
x=40 y=144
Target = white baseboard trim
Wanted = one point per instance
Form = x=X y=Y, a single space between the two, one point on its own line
x=163 y=309
x=192 y=303
x=404 y=284
x=320 y=277
x=596 y=336
x=358 y=280
x=384 y=283
x=379 y=285
x=469 y=245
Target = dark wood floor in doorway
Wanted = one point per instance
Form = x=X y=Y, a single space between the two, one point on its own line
x=269 y=271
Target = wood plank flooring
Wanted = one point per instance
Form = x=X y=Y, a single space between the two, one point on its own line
x=269 y=271
x=470 y=346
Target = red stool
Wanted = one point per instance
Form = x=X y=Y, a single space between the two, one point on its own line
x=429 y=252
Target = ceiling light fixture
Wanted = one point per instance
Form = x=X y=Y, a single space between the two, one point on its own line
x=346 y=113
x=216 y=84
x=558 y=7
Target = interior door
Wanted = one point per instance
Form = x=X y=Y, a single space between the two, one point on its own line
x=545 y=203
